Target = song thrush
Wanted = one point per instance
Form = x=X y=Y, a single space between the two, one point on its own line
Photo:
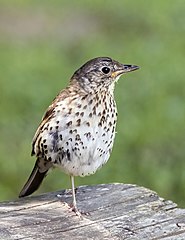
x=77 y=131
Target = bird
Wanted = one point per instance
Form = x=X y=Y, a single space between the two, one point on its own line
x=77 y=132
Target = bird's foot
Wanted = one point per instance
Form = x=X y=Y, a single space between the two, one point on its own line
x=78 y=212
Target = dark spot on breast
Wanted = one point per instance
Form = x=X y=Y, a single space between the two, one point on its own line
x=78 y=122
x=102 y=119
x=70 y=110
x=45 y=146
x=88 y=124
x=69 y=123
x=82 y=114
x=90 y=115
x=79 y=105
x=55 y=141
x=71 y=131
x=88 y=135
x=85 y=107
x=94 y=110
x=90 y=102
x=84 y=97
x=61 y=138
x=57 y=122
x=77 y=138
x=50 y=128
x=77 y=114
x=113 y=129
x=68 y=155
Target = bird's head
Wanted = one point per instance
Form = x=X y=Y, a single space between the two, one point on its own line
x=101 y=72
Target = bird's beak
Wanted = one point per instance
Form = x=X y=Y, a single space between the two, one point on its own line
x=124 y=68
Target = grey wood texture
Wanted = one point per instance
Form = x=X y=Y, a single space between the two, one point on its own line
x=116 y=211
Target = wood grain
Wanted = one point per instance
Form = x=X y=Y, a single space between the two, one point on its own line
x=116 y=211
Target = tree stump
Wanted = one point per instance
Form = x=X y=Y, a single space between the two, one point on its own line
x=115 y=211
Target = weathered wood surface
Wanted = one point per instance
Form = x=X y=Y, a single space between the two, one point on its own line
x=116 y=211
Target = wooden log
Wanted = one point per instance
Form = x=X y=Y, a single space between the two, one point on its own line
x=116 y=211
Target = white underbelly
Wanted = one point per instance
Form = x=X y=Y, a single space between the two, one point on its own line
x=89 y=152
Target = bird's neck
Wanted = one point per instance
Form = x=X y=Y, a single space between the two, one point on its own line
x=86 y=89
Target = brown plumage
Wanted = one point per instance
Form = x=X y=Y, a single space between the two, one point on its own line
x=77 y=131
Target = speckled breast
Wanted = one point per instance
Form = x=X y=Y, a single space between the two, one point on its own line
x=79 y=138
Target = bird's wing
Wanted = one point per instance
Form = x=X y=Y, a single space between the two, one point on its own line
x=50 y=113
x=47 y=116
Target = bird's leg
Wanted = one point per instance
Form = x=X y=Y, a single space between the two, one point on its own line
x=74 y=205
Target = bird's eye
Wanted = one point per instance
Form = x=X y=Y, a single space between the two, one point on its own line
x=105 y=70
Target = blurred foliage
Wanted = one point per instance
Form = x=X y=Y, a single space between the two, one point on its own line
x=43 y=42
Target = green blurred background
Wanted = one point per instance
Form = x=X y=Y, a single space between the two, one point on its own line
x=43 y=42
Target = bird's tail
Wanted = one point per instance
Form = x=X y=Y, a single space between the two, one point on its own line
x=34 y=181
